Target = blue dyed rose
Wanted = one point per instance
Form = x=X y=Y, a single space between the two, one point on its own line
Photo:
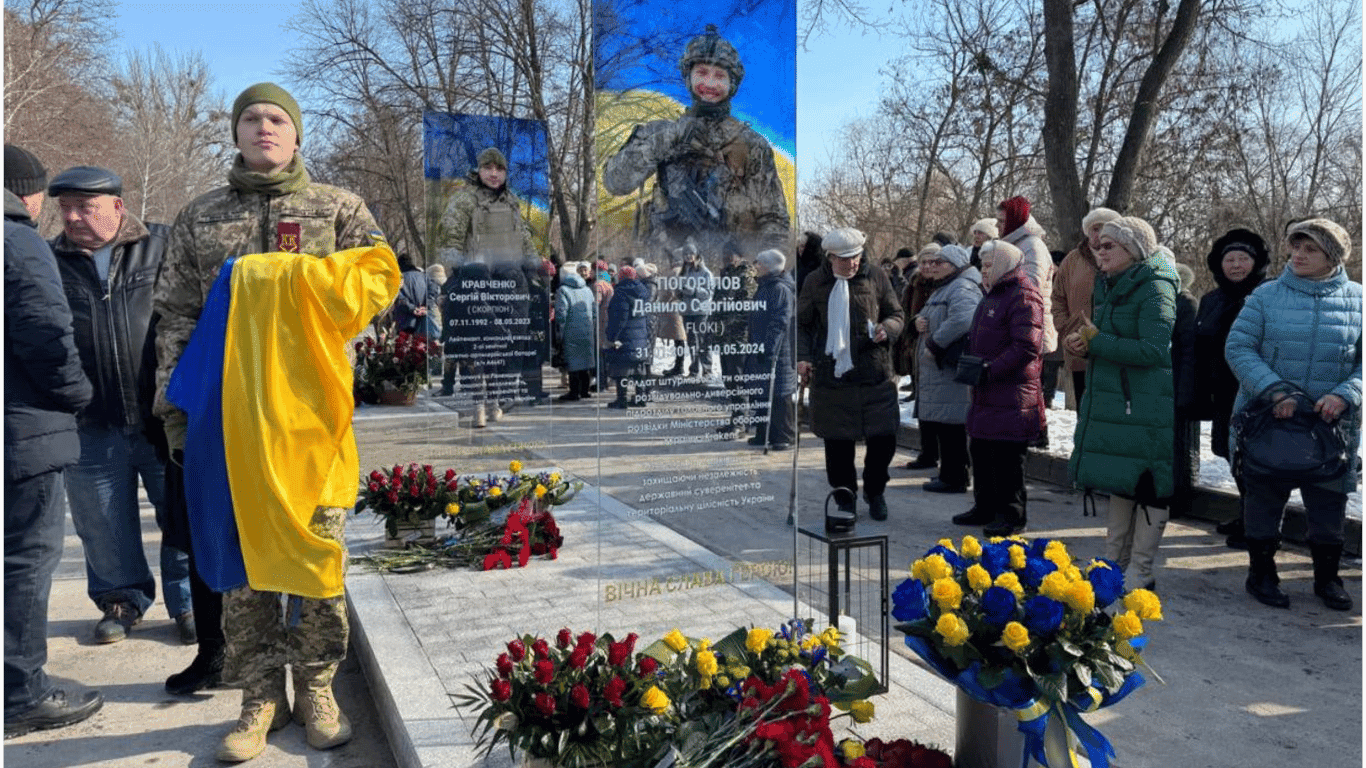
x=1035 y=569
x=1038 y=547
x=1107 y=583
x=1043 y=615
x=910 y=601
x=998 y=605
x=950 y=557
x=996 y=558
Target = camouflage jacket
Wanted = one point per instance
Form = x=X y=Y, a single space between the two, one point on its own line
x=225 y=223
x=716 y=177
x=481 y=220
x=735 y=284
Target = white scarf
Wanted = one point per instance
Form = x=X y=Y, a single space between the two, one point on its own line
x=837 y=327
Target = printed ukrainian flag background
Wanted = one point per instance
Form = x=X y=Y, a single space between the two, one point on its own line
x=637 y=45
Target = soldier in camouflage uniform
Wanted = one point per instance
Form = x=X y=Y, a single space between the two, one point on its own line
x=269 y=205
x=736 y=283
x=715 y=176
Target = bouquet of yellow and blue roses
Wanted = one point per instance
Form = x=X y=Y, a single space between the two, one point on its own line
x=1018 y=624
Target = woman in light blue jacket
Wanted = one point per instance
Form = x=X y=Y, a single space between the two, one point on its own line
x=1301 y=332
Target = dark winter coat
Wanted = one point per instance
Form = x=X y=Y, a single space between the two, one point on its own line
x=734 y=284
x=770 y=327
x=1183 y=355
x=1125 y=419
x=1007 y=333
x=44 y=383
x=628 y=329
x=416 y=291
x=863 y=401
x=110 y=318
x=1215 y=384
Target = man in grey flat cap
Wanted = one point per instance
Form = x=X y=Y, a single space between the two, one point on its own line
x=109 y=261
x=848 y=317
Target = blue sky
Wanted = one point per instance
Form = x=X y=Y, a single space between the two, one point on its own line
x=244 y=43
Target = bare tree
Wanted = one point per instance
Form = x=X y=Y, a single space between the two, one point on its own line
x=170 y=143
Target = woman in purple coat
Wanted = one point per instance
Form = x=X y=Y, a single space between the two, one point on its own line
x=1007 y=409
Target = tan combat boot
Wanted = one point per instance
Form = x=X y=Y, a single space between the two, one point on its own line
x=265 y=708
x=316 y=709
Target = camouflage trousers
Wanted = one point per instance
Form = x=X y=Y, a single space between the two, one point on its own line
x=267 y=630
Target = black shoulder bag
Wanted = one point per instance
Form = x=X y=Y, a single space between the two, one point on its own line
x=1303 y=448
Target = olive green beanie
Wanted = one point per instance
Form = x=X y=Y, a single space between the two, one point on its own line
x=268 y=93
x=494 y=157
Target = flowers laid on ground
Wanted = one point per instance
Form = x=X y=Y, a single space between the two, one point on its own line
x=755 y=698
x=901 y=753
x=492 y=521
x=1018 y=624
x=398 y=360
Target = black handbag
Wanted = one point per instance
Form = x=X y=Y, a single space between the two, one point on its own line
x=971 y=370
x=1303 y=448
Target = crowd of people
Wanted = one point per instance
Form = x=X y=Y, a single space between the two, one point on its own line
x=976 y=334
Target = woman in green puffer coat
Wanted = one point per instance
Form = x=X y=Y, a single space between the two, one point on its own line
x=1123 y=442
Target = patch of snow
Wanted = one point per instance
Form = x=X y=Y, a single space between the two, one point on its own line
x=1214 y=471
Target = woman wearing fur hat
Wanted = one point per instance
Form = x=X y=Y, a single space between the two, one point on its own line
x=941 y=404
x=1237 y=260
x=1007 y=410
x=1301 y=334
x=847 y=319
x=1125 y=422
x=1072 y=286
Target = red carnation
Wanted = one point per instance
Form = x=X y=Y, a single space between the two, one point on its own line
x=541 y=648
x=374 y=487
x=545 y=671
x=504 y=665
x=413 y=491
x=427 y=468
x=451 y=486
x=545 y=703
x=648 y=666
x=501 y=690
x=398 y=471
x=613 y=690
x=391 y=497
x=376 y=475
x=517 y=650
x=450 y=475
x=578 y=696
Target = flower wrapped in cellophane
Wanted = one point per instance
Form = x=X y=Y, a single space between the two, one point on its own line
x=1018 y=624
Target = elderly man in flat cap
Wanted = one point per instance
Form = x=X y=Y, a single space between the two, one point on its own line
x=848 y=317
x=109 y=262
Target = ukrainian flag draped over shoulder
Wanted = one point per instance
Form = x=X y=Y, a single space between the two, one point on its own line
x=288 y=405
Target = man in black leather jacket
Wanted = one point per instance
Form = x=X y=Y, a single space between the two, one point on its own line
x=109 y=262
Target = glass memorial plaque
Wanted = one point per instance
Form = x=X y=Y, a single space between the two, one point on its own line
x=696 y=135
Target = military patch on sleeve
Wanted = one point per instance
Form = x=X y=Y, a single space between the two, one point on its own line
x=377 y=237
x=287 y=236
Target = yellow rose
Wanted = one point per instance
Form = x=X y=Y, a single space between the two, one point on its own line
x=1017 y=556
x=1127 y=625
x=978 y=578
x=706 y=663
x=1054 y=585
x=862 y=711
x=554 y=477
x=971 y=547
x=953 y=629
x=1145 y=603
x=1056 y=553
x=452 y=509
x=947 y=544
x=851 y=750
x=1011 y=582
x=936 y=567
x=1015 y=636
x=1073 y=573
x=831 y=637
x=1081 y=596
x=811 y=643
x=495 y=492
x=515 y=466
x=656 y=700
x=918 y=572
x=540 y=490
x=947 y=594
x=758 y=639
x=676 y=641
x=704 y=644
